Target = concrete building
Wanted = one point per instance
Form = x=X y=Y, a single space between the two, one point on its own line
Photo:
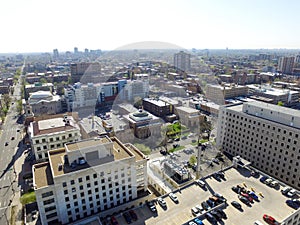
x=51 y=134
x=43 y=102
x=219 y=93
x=157 y=107
x=274 y=95
x=30 y=88
x=265 y=134
x=189 y=117
x=88 y=177
x=182 y=60
x=90 y=71
x=144 y=124
x=286 y=64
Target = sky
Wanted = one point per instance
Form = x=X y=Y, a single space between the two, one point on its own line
x=44 y=25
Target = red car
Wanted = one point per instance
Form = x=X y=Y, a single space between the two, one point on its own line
x=114 y=221
x=269 y=219
x=247 y=196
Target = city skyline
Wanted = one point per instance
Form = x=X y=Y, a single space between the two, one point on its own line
x=35 y=26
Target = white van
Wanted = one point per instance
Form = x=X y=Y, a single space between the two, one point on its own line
x=257 y=222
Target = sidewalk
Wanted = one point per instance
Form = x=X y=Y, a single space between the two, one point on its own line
x=17 y=208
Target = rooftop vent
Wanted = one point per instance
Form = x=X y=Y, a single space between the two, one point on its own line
x=60 y=167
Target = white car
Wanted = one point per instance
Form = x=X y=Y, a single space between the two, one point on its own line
x=201 y=183
x=173 y=197
x=291 y=193
x=195 y=211
x=162 y=202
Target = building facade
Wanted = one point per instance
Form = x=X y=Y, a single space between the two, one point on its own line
x=182 y=61
x=43 y=102
x=286 y=64
x=88 y=177
x=157 y=107
x=219 y=93
x=266 y=135
x=51 y=134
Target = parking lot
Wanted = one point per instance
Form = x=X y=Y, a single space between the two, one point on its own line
x=272 y=203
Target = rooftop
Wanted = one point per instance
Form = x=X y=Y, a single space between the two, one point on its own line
x=187 y=109
x=87 y=143
x=156 y=101
x=42 y=175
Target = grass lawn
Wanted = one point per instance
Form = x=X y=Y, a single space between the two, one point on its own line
x=201 y=141
x=28 y=198
x=176 y=149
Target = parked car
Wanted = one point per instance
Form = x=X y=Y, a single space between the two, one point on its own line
x=127 y=217
x=236 y=204
x=291 y=193
x=219 y=196
x=247 y=196
x=201 y=183
x=195 y=211
x=236 y=189
x=244 y=200
x=192 y=223
x=216 y=214
x=263 y=179
x=162 y=202
x=198 y=221
x=200 y=208
x=221 y=175
x=133 y=215
x=268 y=181
x=253 y=195
x=285 y=190
x=294 y=203
x=210 y=203
x=114 y=221
x=274 y=184
x=216 y=176
x=222 y=213
x=151 y=206
x=173 y=197
x=215 y=160
x=269 y=219
x=210 y=218
x=205 y=206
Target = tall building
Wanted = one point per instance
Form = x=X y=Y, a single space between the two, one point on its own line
x=88 y=177
x=182 y=61
x=75 y=50
x=286 y=64
x=266 y=135
x=55 y=54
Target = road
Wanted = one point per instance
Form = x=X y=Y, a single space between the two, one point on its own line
x=8 y=155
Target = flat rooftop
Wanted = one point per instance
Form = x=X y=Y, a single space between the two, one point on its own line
x=156 y=102
x=56 y=157
x=87 y=143
x=187 y=109
x=42 y=175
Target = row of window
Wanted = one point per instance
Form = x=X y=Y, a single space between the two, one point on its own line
x=63 y=137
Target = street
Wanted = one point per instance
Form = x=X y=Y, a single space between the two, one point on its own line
x=11 y=134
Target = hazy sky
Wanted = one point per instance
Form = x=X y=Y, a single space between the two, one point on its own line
x=42 y=25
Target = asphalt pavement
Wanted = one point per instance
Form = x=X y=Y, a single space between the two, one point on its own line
x=11 y=149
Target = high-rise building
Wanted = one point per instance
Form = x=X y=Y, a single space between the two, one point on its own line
x=182 y=61
x=55 y=53
x=266 y=135
x=75 y=50
x=88 y=177
x=286 y=64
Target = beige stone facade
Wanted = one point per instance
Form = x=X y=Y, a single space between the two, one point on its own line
x=265 y=134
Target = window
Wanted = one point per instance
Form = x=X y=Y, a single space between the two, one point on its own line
x=47 y=194
x=64 y=184
x=47 y=202
x=51 y=215
x=72 y=182
x=87 y=177
x=79 y=179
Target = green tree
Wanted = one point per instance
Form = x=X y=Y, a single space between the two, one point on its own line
x=144 y=149
x=43 y=80
x=193 y=160
x=19 y=106
x=280 y=103
x=6 y=101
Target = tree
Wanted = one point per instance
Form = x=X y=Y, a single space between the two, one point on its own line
x=43 y=80
x=6 y=100
x=280 y=103
x=193 y=160
x=19 y=106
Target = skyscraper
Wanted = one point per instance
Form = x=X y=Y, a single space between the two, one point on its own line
x=75 y=50
x=55 y=53
x=286 y=64
x=182 y=61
